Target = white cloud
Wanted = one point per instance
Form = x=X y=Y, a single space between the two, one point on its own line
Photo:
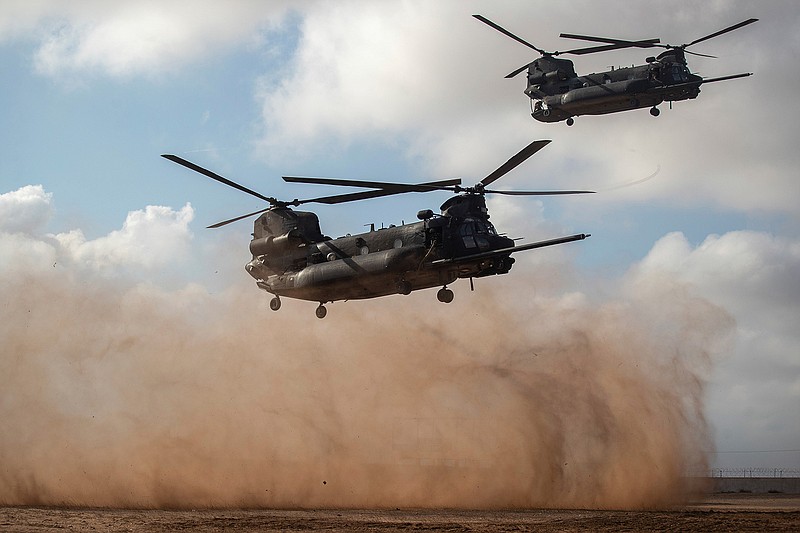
x=432 y=75
x=19 y=17
x=752 y=273
x=355 y=71
x=25 y=210
x=132 y=37
x=753 y=276
x=150 y=238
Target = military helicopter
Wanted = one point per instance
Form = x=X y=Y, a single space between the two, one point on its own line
x=557 y=93
x=292 y=258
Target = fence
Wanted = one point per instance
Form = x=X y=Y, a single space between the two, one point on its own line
x=753 y=472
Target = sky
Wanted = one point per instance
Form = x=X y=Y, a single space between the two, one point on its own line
x=413 y=91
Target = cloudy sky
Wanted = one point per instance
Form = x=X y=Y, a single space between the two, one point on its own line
x=95 y=91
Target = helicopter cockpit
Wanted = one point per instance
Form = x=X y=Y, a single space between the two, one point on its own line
x=676 y=73
x=476 y=234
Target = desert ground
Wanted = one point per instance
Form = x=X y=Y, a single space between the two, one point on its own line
x=718 y=512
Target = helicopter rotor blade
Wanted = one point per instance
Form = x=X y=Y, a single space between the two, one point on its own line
x=248 y=215
x=515 y=161
x=639 y=43
x=365 y=195
x=217 y=177
x=395 y=188
x=699 y=54
x=520 y=69
x=399 y=187
x=536 y=193
x=355 y=196
x=351 y=197
x=720 y=32
x=508 y=33
x=605 y=48
x=611 y=44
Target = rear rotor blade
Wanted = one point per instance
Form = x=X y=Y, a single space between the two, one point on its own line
x=520 y=69
x=217 y=177
x=225 y=222
x=720 y=32
x=515 y=161
x=508 y=33
x=330 y=200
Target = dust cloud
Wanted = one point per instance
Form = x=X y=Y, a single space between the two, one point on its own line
x=520 y=394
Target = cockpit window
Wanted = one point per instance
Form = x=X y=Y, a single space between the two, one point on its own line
x=679 y=73
x=484 y=228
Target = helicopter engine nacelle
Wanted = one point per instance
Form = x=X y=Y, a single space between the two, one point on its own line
x=272 y=244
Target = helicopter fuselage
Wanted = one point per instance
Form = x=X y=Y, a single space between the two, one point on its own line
x=392 y=260
x=559 y=93
x=563 y=95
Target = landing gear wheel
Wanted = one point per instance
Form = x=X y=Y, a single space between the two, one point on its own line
x=321 y=311
x=444 y=295
x=570 y=121
x=404 y=287
x=655 y=111
x=275 y=304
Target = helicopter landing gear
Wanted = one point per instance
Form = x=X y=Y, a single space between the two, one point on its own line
x=444 y=295
x=655 y=111
x=275 y=304
x=321 y=311
x=570 y=121
x=403 y=287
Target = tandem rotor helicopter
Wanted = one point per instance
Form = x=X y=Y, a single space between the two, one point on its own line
x=557 y=93
x=292 y=258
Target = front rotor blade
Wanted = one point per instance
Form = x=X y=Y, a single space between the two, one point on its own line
x=699 y=54
x=536 y=193
x=402 y=187
x=516 y=160
x=217 y=177
x=508 y=33
x=602 y=48
x=649 y=43
x=642 y=43
x=720 y=32
x=352 y=197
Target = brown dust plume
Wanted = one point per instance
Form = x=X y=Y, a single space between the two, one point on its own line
x=517 y=395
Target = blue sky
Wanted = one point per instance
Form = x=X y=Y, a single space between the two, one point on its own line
x=94 y=92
